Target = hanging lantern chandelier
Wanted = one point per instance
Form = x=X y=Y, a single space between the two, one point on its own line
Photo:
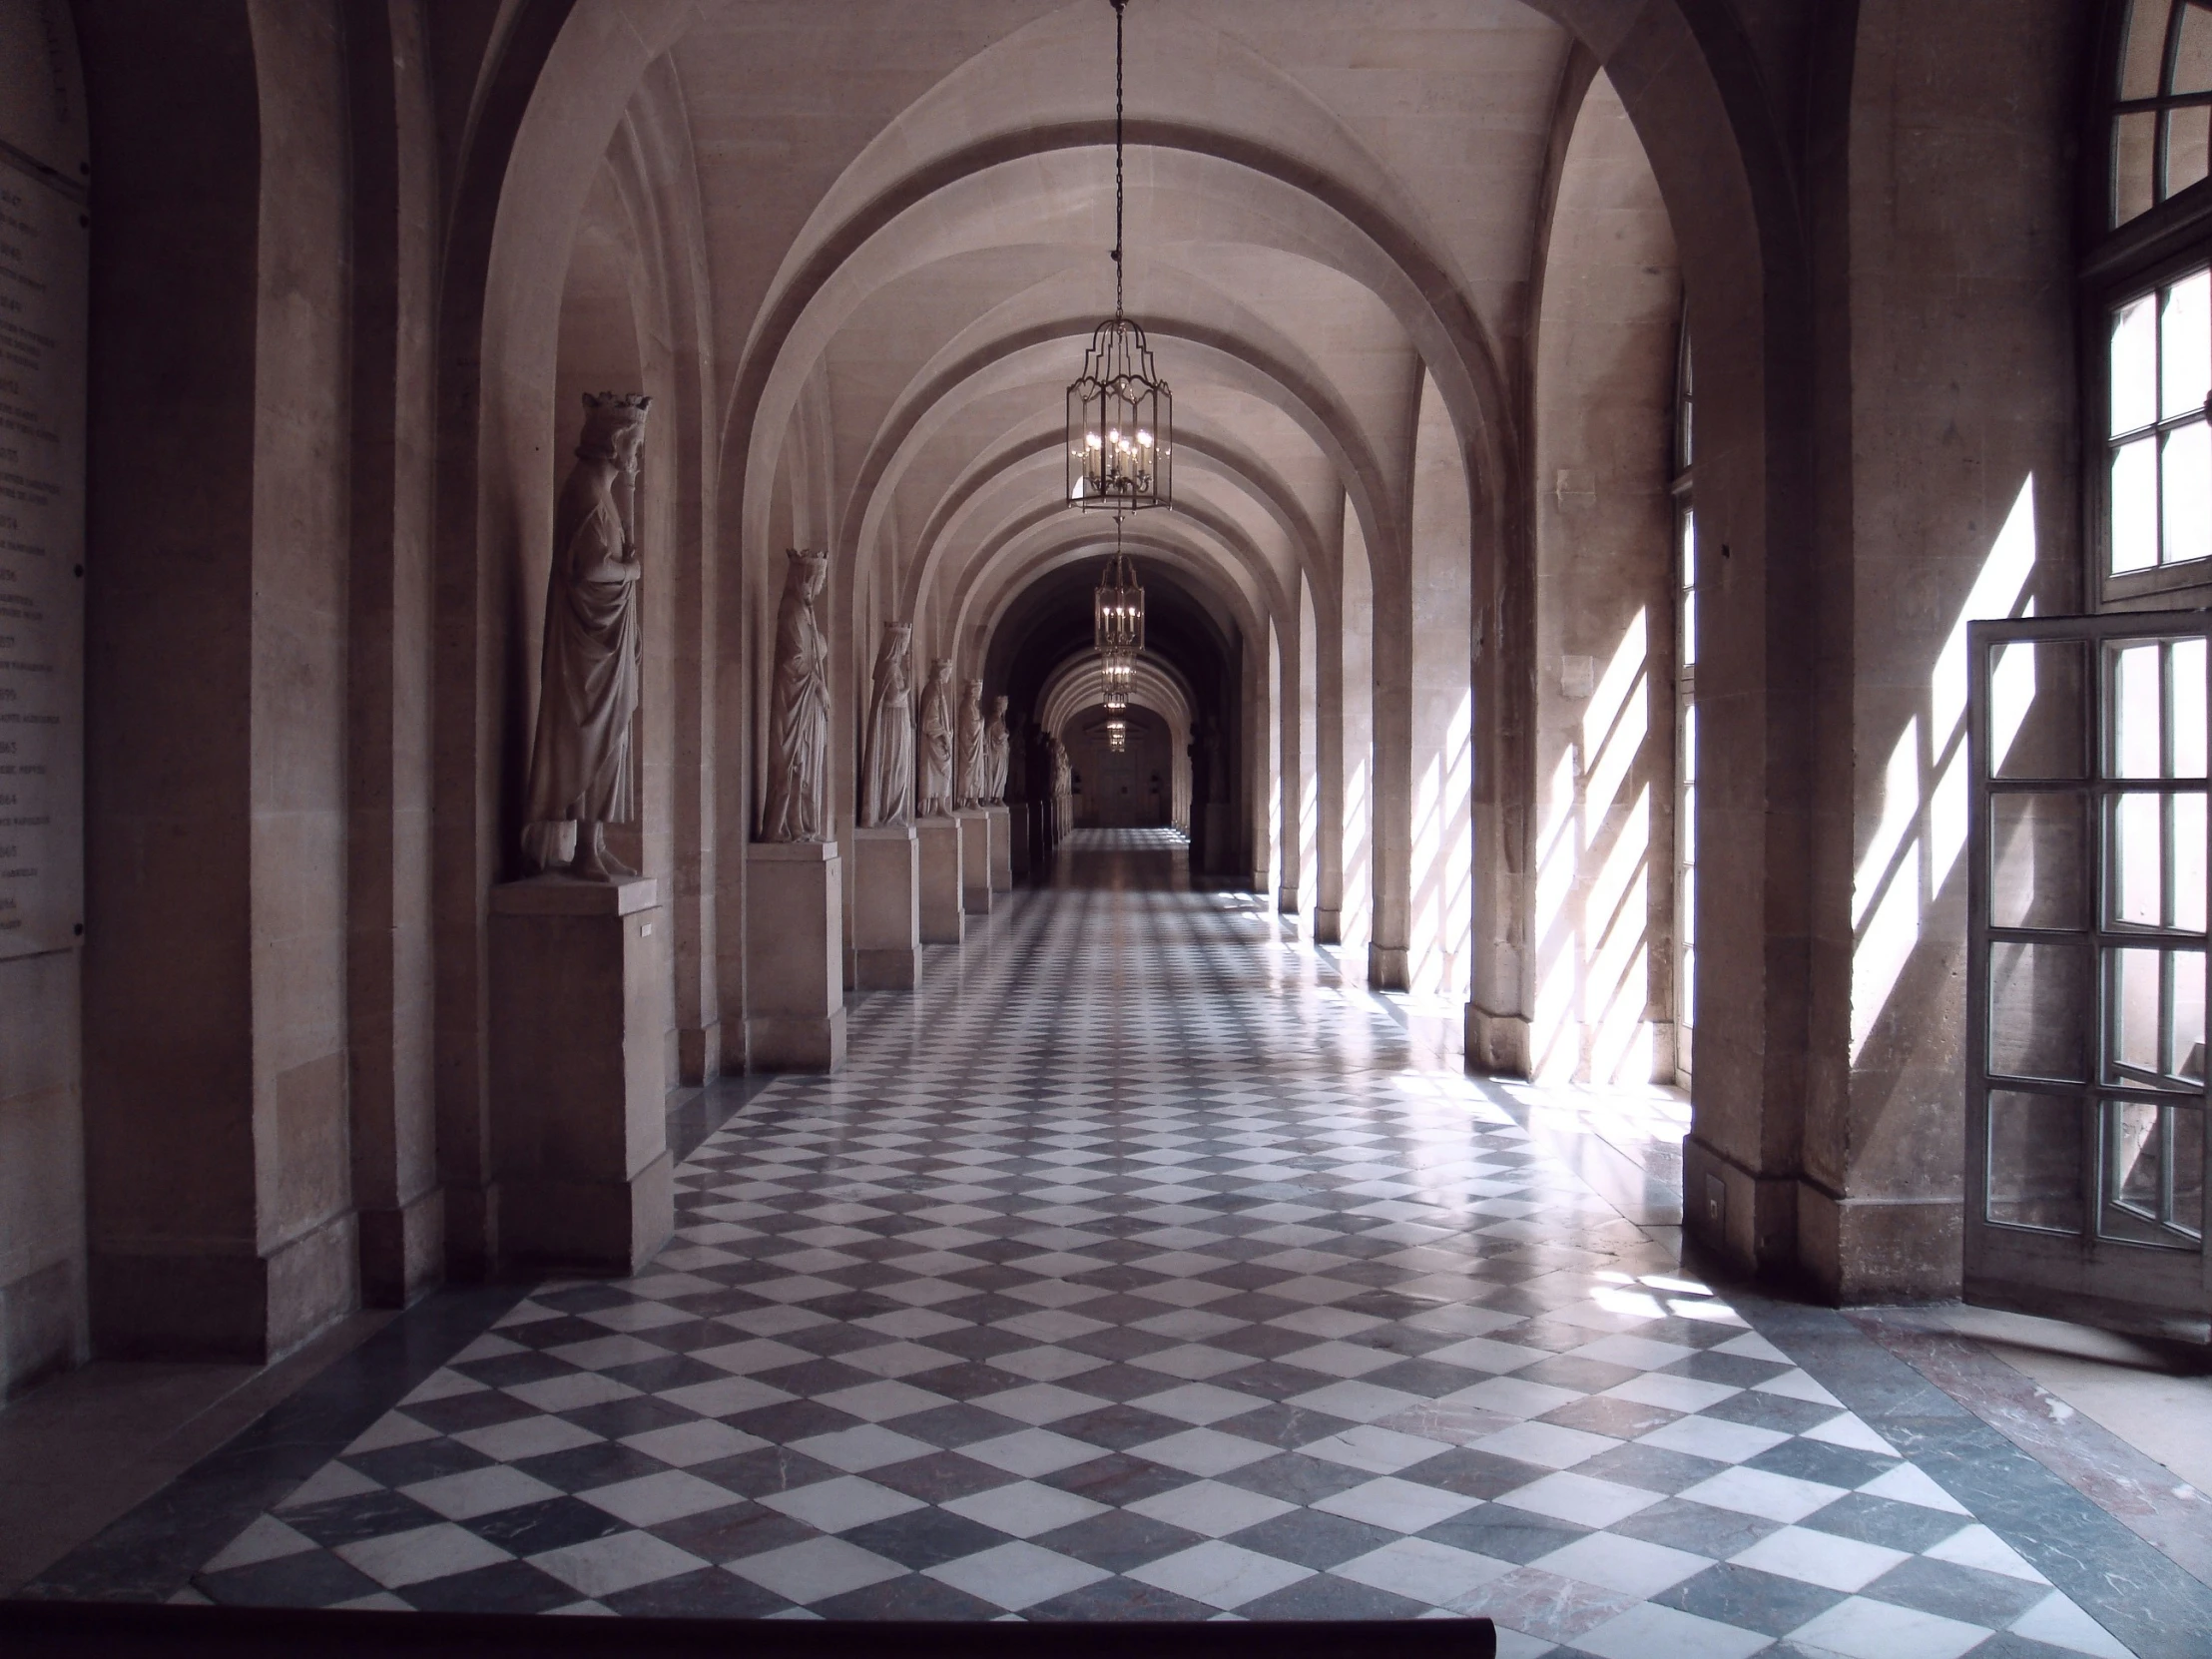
x=1120 y=411
x=1117 y=607
x=1117 y=736
x=1114 y=673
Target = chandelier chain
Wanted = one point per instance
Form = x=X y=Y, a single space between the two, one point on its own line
x=1118 y=5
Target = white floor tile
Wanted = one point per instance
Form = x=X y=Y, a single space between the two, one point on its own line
x=1209 y=1507
x=1822 y=1558
x=1220 y=1575
x=1401 y=1505
x=1421 y=1569
x=1017 y=1575
x=1860 y=1628
x=1024 y=1508
x=839 y=1505
x=399 y=1560
x=814 y=1570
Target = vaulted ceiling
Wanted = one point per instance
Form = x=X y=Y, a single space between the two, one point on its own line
x=907 y=212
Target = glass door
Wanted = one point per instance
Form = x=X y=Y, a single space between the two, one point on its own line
x=2085 y=1150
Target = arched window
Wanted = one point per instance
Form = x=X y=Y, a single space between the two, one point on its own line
x=1685 y=717
x=2149 y=293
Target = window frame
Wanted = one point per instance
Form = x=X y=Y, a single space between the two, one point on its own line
x=2169 y=240
x=1683 y=577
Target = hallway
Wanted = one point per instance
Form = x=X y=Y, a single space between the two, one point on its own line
x=1134 y=1267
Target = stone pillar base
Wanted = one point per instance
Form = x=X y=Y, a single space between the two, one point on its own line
x=943 y=918
x=976 y=861
x=1286 y=900
x=1017 y=838
x=578 y=1032
x=1496 y=1044
x=403 y=1250
x=1003 y=848
x=886 y=908
x=1390 y=967
x=795 y=957
x=1750 y=1219
x=1329 y=926
x=699 y=1053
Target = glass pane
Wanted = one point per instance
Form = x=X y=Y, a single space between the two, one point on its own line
x=1686 y=831
x=2133 y=157
x=2137 y=869
x=2135 y=364
x=2138 y=705
x=2035 y=714
x=1689 y=629
x=2193 y=58
x=2188 y=710
x=2154 y=1173
x=2035 y=861
x=2035 y=1161
x=2038 y=1010
x=2188 y=862
x=2143 y=58
x=2156 y=860
x=2155 y=1015
x=2185 y=346
x=2187 y=476
x=2135 y=505
x=2186 y=131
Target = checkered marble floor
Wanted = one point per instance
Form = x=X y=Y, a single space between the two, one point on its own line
x=1130 y=1270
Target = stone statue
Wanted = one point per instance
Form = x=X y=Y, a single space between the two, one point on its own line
x=588 y=672
x=998 y=746
x=799 y=709
x=933 y=754
x=888 y=761
x=974 y=757
x=1063 y=770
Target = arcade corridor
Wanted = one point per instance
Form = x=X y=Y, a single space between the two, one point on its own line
x=1135 y=1266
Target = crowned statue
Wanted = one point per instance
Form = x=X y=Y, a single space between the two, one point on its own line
x=580 y=772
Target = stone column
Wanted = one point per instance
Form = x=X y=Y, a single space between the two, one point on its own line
x=886 y=908
x=795 y=945
x=976 y=861
x=1019 y=833
x=943 y=918
x=1003 y=848
x=579 y=979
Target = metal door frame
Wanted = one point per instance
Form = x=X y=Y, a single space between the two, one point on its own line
x=2087 y=1275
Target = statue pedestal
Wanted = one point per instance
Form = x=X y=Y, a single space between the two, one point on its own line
x=944 y=919
x=976 y=861
x=579 y=1035
x=886 y=908
x=1017 y=840
x=794 y=956
x=1003 y=848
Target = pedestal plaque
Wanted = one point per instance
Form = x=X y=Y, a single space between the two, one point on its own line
x=943 y=916
x=43 y=239
x=886 y=908
x=579 y=1034
x=794 y=956
x=976 y=861
x=1002 y=849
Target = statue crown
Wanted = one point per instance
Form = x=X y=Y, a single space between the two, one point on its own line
x=621 y=407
